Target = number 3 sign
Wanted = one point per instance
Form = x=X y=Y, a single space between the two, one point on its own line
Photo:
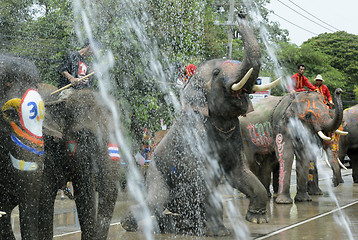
x=32 y=112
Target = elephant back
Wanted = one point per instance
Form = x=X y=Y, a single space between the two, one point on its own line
x=89 y=109
x=45 y=91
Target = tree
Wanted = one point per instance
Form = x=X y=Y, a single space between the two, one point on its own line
x=146 y=39
x=341 y=49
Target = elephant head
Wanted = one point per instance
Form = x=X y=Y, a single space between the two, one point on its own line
x=313 y=111
x=221 y=87
x=21 y=142
x=22 y=113
x=25 y=117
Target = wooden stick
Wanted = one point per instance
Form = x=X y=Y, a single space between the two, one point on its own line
x=69 y=85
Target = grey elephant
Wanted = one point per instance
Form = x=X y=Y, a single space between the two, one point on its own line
x=271 y=140
x=21 y=144
x=87 y=155
x=203 y=145
x=348 y=144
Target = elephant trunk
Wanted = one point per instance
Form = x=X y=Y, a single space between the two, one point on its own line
x=250 y=66
x=334 y=124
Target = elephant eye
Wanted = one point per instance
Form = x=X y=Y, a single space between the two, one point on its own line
x=216 y=72
x=308 y=115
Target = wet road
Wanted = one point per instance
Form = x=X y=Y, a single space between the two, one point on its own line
x=319 y=219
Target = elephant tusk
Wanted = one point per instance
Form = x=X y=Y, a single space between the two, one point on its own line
x=2 y=213
x=341 y=132
x=239 y=85
x=324 y=137
x=341 y=164
x=260 y=88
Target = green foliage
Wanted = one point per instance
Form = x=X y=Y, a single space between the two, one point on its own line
x=147 y=38
x=342 y=51
x=316 y=62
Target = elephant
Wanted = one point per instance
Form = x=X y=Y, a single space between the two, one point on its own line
x=348 y=144
x=202 y=145
x=21 y=144
x=86 y=153
x=271 y=141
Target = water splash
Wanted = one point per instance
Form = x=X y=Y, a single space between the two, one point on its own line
x=313 y=150
x=135 y=32
x=270 y=46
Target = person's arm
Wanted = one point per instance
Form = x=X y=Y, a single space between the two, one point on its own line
x=308 y=84
x=329 y=97
x=71 y=78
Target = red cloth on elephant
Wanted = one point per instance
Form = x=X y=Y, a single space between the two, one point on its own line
x=323 y=89
x=189 y=70
x=299 y=82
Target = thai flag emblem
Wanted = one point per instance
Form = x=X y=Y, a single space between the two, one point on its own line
x=113 y=151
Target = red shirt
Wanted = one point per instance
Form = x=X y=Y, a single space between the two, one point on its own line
x=325 y=92
x=299 y=83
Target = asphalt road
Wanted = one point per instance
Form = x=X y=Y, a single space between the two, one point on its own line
x=328 y=216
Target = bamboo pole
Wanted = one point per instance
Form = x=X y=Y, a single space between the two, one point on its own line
x=69 y=85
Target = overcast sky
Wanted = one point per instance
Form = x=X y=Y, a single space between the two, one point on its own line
x=341 y=15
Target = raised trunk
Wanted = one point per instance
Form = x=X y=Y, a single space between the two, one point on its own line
x=252 y=58
x=338 y=116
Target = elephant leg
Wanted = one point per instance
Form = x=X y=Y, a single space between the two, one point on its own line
x=302 y=166
x=7 y=204
x=85 y=203
x=275 y=176
x=5 y=227
x=284 y=154
x=214 y=213
x=28 y=210
x=353 y=155
x=191 y=212
x=107 y=196
x=246 y=182
x=265 y=171
x=336 y=168
x=312 y=184
x=157 y=198
x=46 y=208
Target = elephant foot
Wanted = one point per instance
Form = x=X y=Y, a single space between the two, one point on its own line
x=257 y=216
x=284 y=199
x=216 y=230
x=129 y=223
x=336 y=181
x=355 y=179
x=313 y=189
x=303 y=197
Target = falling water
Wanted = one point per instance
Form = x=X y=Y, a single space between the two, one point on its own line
x=270 y=46
x=151 y=56
x=104 y=61
x=303 y=134
x=294 y=124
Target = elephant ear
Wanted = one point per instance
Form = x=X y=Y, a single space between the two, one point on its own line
x=283 y=109
x=10 y=110
x=54 y=118
x=194 y=96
